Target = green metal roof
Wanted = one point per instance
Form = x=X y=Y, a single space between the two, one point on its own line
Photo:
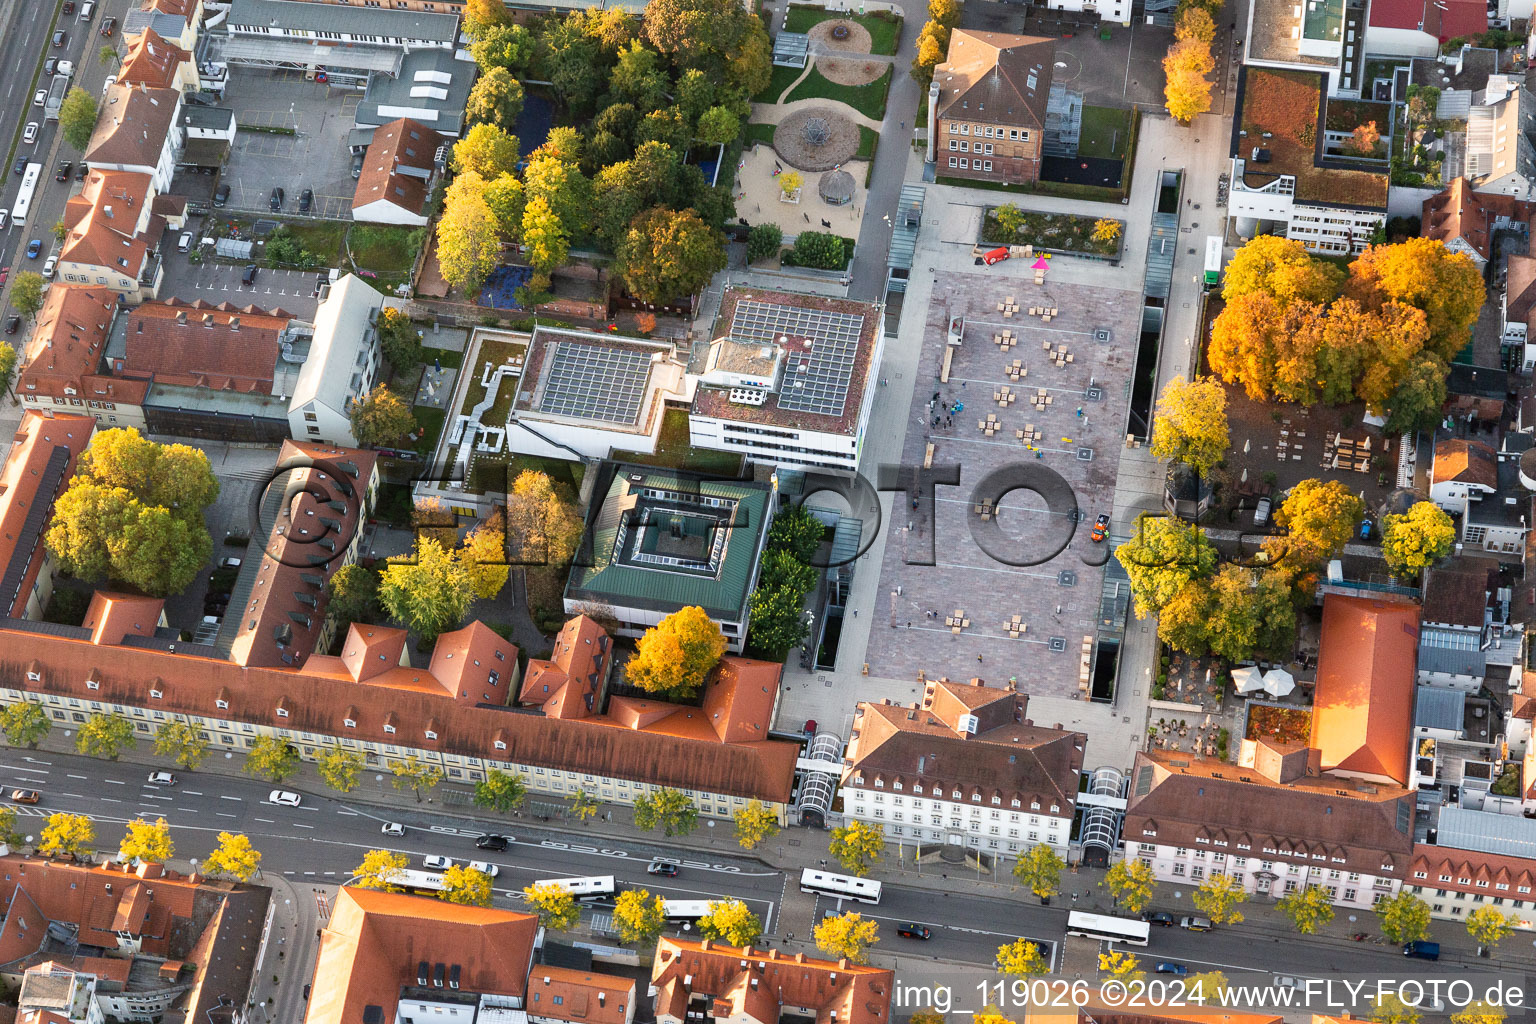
x=719 y=523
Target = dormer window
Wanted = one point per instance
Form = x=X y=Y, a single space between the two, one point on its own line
x=879 y=783
x=93 y=684
x=431 y=735
x=501 y=744
x=350 y=723
x=495 y=677
x=389 y=728
x=33 y=675
x=156 y=694
x=503 y=657
x=282 y=712
x=221 y=704
x=1034 y=805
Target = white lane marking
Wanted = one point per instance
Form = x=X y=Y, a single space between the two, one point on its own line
x=297 y=824
x=268 y=821
x=110 y=800
x=223 y=815
x=231 y=798
x=192 y=792
x=114 y=782
x=76 y=776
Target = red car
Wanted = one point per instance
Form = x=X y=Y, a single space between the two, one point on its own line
x=5 y=272
x=1100 y=529
x=996 y=255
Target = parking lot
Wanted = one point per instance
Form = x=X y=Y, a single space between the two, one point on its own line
x=293 y=290
x=315 y=156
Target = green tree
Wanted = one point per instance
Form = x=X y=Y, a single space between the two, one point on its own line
x=562 y=186
x=60 y=230
x=1021 y=958
x=675 y=656
x=1488 y=926
x=1190 y=424
x=147 y=842
x=380 y=870
x=1309 y=909
x=8 y=363
x=505 y=199
x=1039 y=870
x=1321 y=517
x=857 y=845
x=638 y=77
x=556 y=908
x=415 y=775
x=1218 y=898
x=731 y=922
x=544 y=237
x=70 y=835
x=481 y=15
x=353 y=595
x=488 y=150
x=25 y=724
x=584 y=805
x=1010 y=218
x=701 y=34
x=670 y=809
x=796 y=531
x=183 y=742
x=9 y=833
x=1389 y=1009
x=1240 y=612
x=847 y=935
x=497 y=98
x=668 y=254
x=764 y=241
x=718 y=126
x=27 y=292
x=1419 y=538
x=107 y=56
x=504 y=46
x=1404 y=918
x=755 y=824
x=381 y=418
x=340 y=768
x=1419 y=394
x=104 y=735
x=1162 y=556
x=398 y=339
x=466 y=886
x=777 y=622
x=234 y=857
x=429 y=594
x=77 y=117
x=501 y=791
x=819 y=249
x=1130 y=884
x=467 y=242
x=272 y=758
x=639 y=915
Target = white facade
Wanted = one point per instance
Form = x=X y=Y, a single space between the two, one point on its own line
x=1265 y=875
x=1452 y=496
x=1108 y=10
x=777 y=445
x=934 y=819
x=1401 y=42
x=550 y=440
x=1330 y=230
x=343 y=361
x=382 y=211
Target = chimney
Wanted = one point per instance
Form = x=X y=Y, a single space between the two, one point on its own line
x=106 y=211
x=602 y=999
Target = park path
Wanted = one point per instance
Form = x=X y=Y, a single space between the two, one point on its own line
x=773 y=113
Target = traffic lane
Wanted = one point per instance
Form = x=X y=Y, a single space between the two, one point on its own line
x=1283 y=954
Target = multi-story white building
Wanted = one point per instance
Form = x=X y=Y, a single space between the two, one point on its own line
x=964 y=768
x=790 y=379
x=1276 y=824
x=343 y=362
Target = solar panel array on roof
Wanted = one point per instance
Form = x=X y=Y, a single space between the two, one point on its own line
x=590 y=381
x=815 y=381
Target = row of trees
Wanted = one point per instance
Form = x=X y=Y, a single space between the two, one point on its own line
x=1297 y=329
x=786 y=575
x=933 y=40
x=144 y=841
x=1186 y=89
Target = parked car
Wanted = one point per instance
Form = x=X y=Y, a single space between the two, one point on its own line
x=665 y=868
x=60 y=38
x=12 y=324
x=357 y=166
x=107 y=25
x=62 y=174
x=221 y=195
x=1261 y=513
x=184 y=243
x=25 y=796
x=491 y=841
x=1169 y=967
x=1420 y=950
x=913 y=931
x=29 y=133
x=161 y=779
x=249 y=277
x=40 y=97
x=306 y=199
x=810 y=727
x=48 y=266
x=276 y=200
x=1195 y=924
x=5 y=272
x=1286 y=981
x=485 y=867
x=284 y=798
x=1159 y=918
x=393 y=828
x=1100 y=529
x=82 y=171
x=230 y=563
x=34 y=248
x=436 y=863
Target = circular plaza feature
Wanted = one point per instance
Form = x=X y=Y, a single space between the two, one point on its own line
x=841 y=34
x=816 y=139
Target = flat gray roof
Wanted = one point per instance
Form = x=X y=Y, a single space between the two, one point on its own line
x=431 y=86
x=1437 y=707
x=264 y=50
x=343 y=18
x=1509 y=835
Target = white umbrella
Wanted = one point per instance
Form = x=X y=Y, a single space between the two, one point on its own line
x=1247 y=679
x=1245 y=474
x=1279 y=682
x=1248 y=443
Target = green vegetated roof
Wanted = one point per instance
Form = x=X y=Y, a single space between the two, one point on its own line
x=661 y=539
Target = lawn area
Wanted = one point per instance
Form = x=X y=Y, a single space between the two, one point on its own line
x=1063 y=231
x=321 y=237
x=884 y=29
x=496 y=474
x=384 y=249
x=1106 y=131
x=781 y=79
x=758 y=133
x=868 y=100
x=493 y=352
x=429 y=422
x=674 y=451
x=869 y=141
x=447 y=356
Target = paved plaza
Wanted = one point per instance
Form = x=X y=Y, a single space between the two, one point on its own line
x=1040 y=411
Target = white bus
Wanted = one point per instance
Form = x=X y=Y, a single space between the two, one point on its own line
x=1125 y=930
x=24 y=197
x=685 y=910
x=593 y=887
x=865 y=890
x=413 y=880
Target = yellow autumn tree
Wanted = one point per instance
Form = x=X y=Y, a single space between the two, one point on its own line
x=1195 y=23
x=1188 y=91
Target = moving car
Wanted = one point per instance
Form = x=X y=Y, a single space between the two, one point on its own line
x=48 y=266
x=283 y=798
x=1159 y=918
x=276 y=201
x=913 y=931
x=19 y=166
x=62 y=174
x=491 y=841
x=69 y=6
x=1169 y=967
x=221 y=195
x=1195 y=924
x=29 y=134
x=60 y=38
x=436 y=863
x=107 y=25
x=25 y=796
x=661 y=867
x=393 y=828
x=161 y=779
x=66 y=67
x=1417 y=950
x=34 y=248
x=306 y=199
x=51 y=66
x=1100 y=529
x=12 y=324
x=40 y=97
x=485 y=867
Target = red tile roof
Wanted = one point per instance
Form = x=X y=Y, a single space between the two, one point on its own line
x=1444 y=19
x=769 y=982
x=996 y=76
x=400 y=143
x=135 y=122
x=375 y=942
x=199 y=344
x=1362 y=711
x=1471 y=462
x=581 y=997
x=1495 y=869
x=37 y=437
x=64 y=353
x=566 y=684
x=111 y=617
x=151 y=61
x=1458 y=211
